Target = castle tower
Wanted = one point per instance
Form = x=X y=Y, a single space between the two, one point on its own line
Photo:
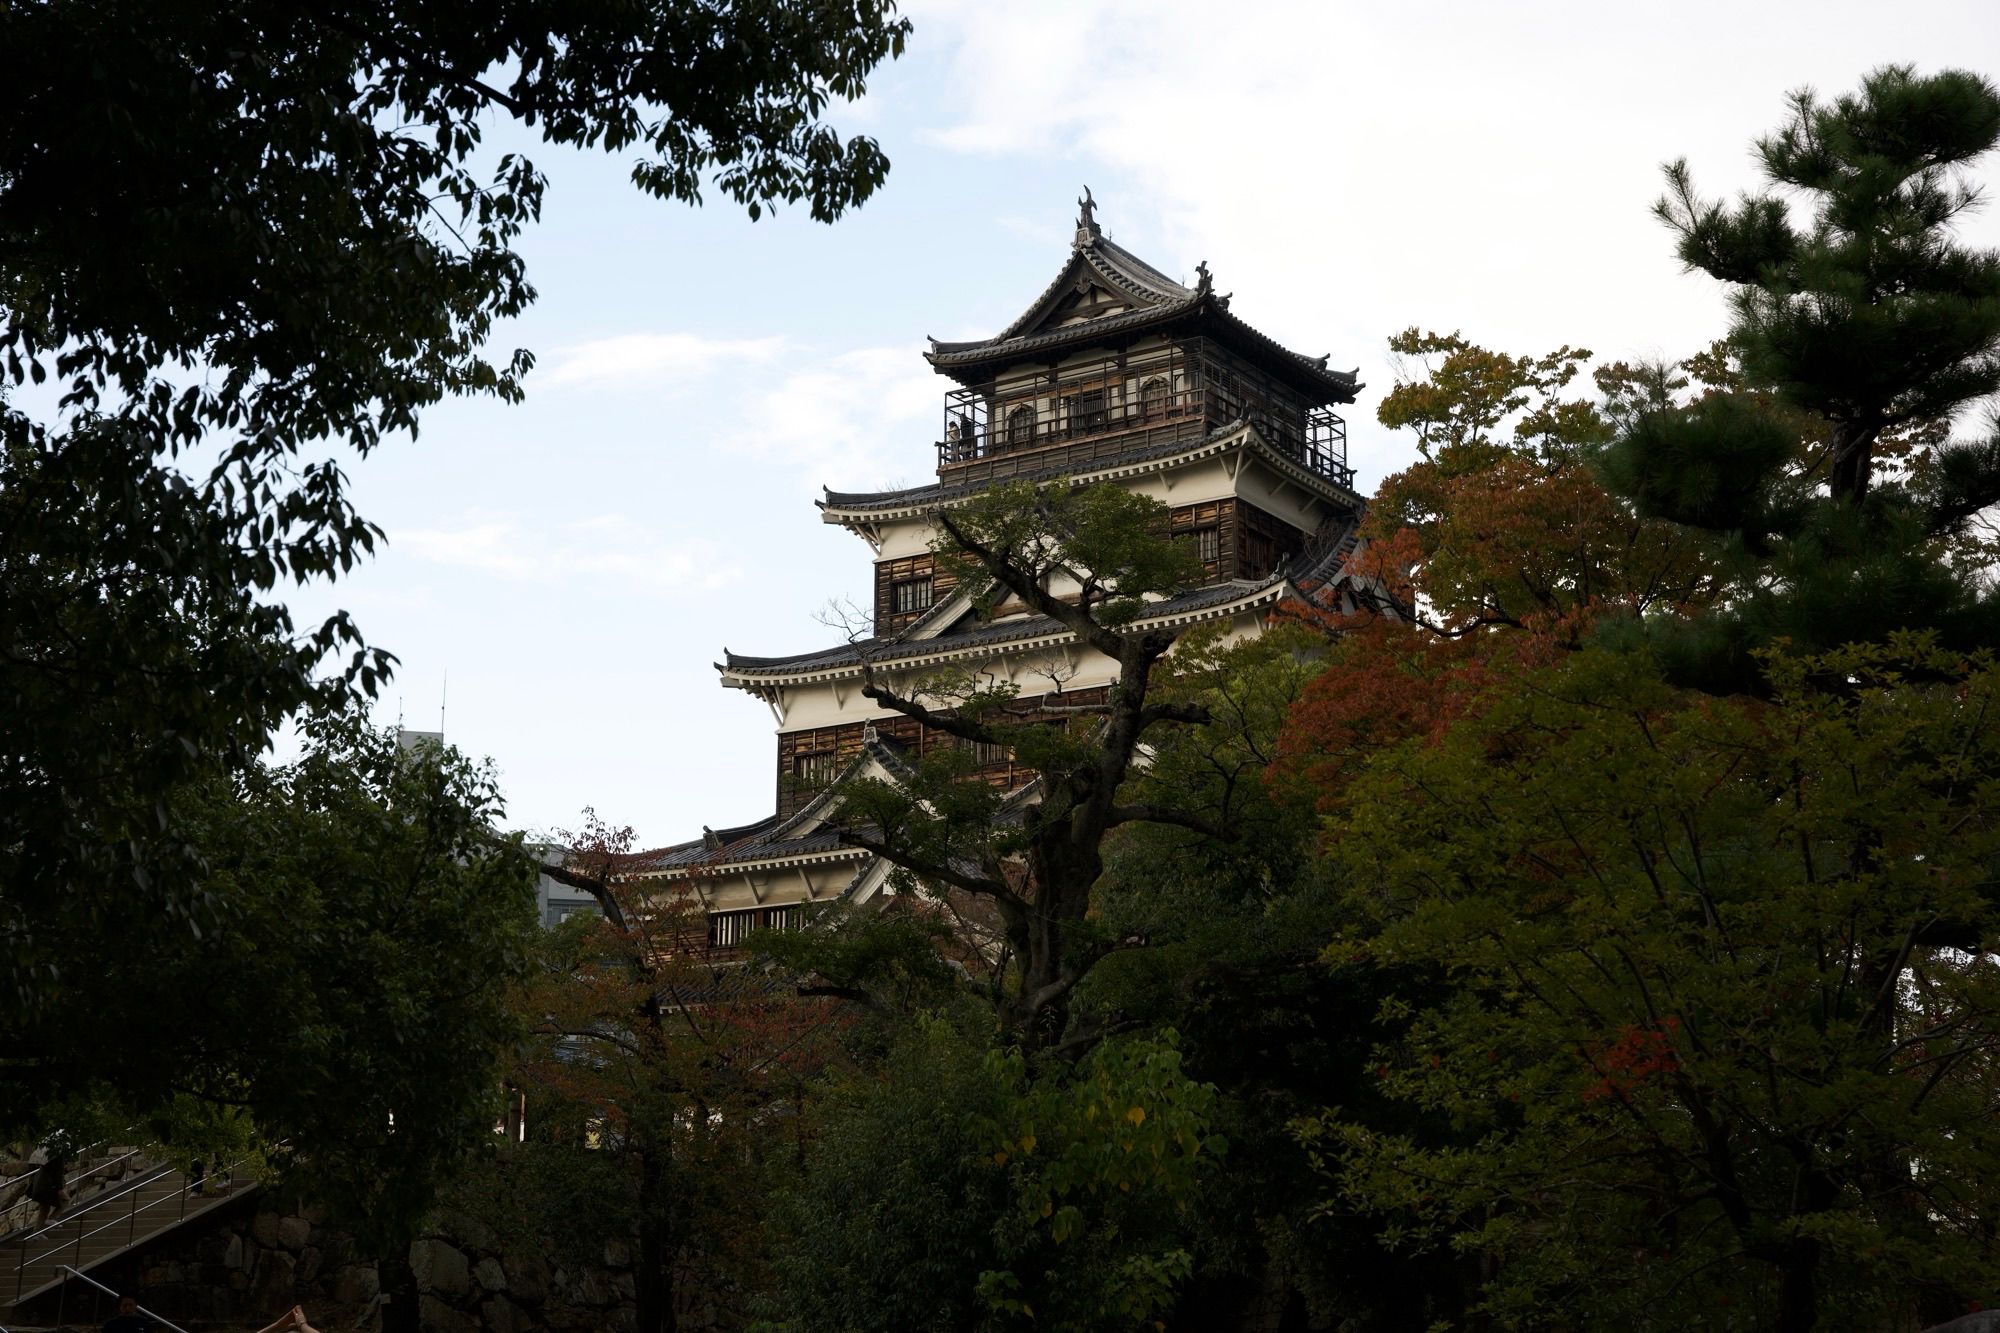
x=1118 y=375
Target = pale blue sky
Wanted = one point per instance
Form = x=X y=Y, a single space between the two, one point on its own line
x=577 y=563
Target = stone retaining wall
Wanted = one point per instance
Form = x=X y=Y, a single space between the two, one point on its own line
x=244 y=1268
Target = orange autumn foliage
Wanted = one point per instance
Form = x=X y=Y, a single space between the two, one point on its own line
x=1497 y=550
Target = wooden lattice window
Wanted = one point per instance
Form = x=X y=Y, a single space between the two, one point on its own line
x=1020 y=427
x=815 y=768
x=1085 y=411
x=909 y=595
x=727 y=930
x=1264 y=542
x=1153 y=396
x=905 y=589
x=1210 y=529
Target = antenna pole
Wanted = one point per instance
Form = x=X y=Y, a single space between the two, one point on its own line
x=444 y=692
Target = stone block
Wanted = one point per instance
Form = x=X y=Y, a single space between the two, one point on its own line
x=440 y=1267
x=356 y=1284
x=595 y=1289
x=264 y=1230
x=626 y=1286
x=293 y=1233
x=489 y=1275
x=527 y=1277
x=617 y=1253
x=434 y=1316
x=271 y=1282
x=235 y=1254
x=311 y=1258
x=498 y=1315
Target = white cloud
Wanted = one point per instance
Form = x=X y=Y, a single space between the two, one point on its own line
x=607 y=549
x=1350 y=170
x=853 y=417
x=649 y=359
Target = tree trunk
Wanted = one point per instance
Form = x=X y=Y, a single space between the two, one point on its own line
x=1798 y=1291
x=652 y=1282
x=399 y=1292
x=1853 y=449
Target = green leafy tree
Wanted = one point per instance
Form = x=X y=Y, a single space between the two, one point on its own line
x=235 y=236
x=1870 y=318
x=1696 y=1062
x=1234 y=933
x=346 y=999
x=957 y=1188
x=1018 y=871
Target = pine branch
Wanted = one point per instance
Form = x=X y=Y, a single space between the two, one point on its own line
x=1076 y=619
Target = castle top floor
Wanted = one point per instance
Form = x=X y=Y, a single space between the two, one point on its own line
x=1115 y=356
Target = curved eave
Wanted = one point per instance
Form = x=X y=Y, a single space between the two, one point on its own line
x=974 y=362
x=755 y=679
x=707 y=870
x=844 y=510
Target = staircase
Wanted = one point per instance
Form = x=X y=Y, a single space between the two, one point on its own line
x=101 y=1228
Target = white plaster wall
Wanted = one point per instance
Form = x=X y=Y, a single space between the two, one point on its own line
x=1033 y=672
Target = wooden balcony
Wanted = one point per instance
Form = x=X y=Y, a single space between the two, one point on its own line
x=1096 y=412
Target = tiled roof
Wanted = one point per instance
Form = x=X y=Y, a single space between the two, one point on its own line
x=774 y=838
x=888 y=650
x=1320 y=563
x=1159 y=300
x=942 y=492
x=1109 y=260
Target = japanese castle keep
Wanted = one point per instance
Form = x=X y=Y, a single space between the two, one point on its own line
x=1116 y=374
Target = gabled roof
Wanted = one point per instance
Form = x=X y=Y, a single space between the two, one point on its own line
x=1145 y=301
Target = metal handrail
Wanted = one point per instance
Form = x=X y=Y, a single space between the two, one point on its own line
x=131 y=1220
x=77 y=1272
x=69 y=1181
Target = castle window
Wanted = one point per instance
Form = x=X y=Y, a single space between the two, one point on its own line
x=1086 y=411
x=1020 y=427
x=816 y=768
x=1208 y=545
x=1153 y=398
x=907 y=596
x=728 y=930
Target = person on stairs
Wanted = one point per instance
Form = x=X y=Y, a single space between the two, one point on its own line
x=50 y=1186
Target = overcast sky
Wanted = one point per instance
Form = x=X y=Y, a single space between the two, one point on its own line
x=576 y=564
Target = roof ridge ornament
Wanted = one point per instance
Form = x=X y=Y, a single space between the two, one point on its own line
x=1207 y=279
x=1086 y=221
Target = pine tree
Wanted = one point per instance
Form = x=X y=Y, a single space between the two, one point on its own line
x=1825 y=477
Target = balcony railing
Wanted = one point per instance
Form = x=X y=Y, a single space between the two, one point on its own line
x=1096 y=412
x=965 y=441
